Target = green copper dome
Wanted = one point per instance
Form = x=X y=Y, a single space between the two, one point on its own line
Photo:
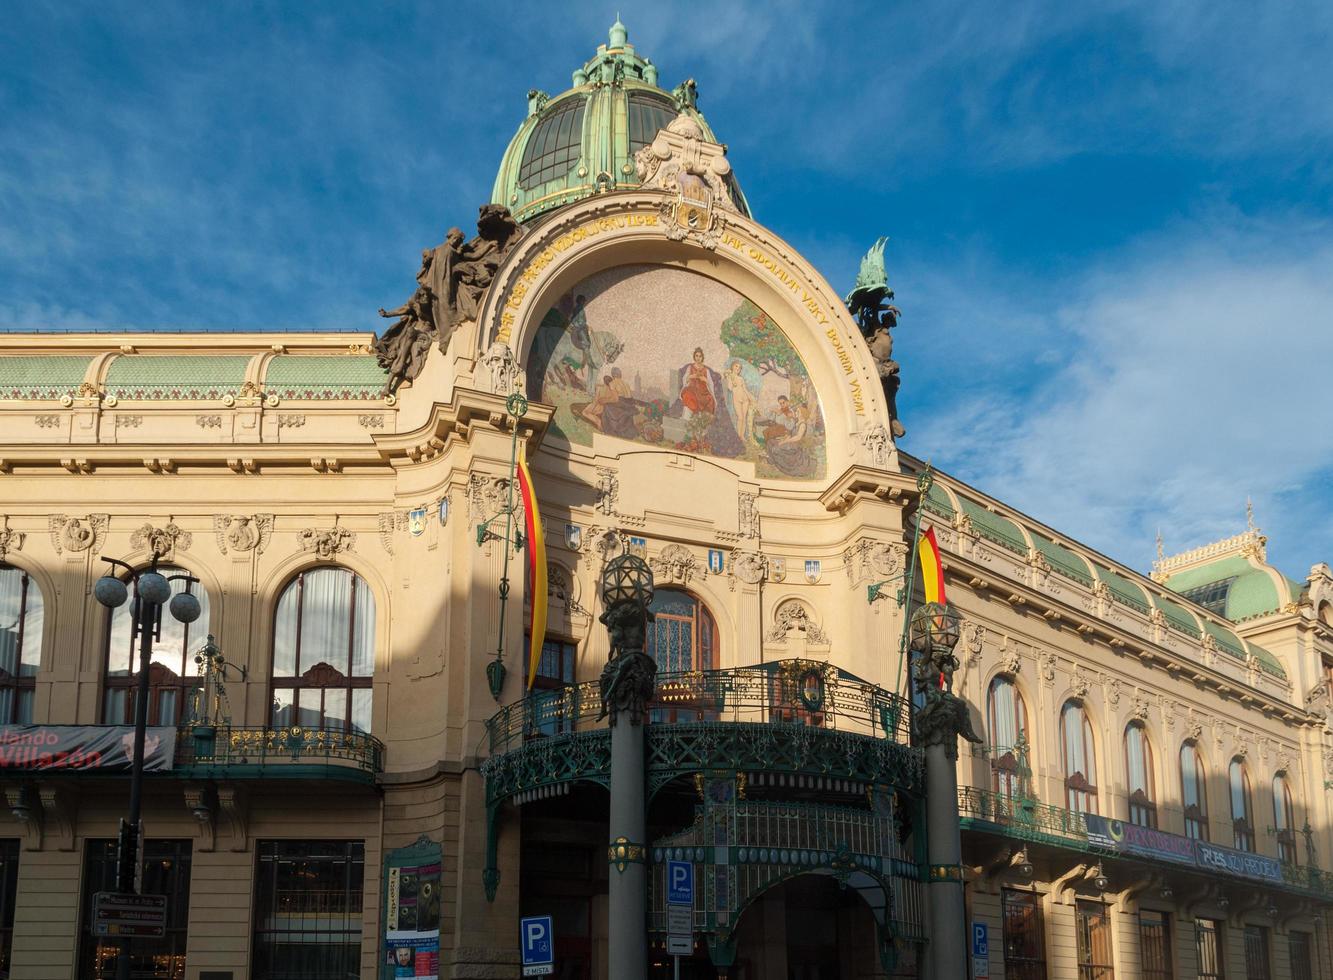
x=582 y=142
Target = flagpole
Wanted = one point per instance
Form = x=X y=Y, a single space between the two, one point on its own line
x=517 y=406
x=924 y=482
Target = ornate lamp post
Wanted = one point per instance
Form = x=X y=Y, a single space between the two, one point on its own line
x=628 y=683
x=939 y=722
x=152 y=590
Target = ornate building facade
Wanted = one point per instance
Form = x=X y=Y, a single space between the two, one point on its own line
x=351 y=778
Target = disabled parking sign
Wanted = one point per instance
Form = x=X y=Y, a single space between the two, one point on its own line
x=537 y=941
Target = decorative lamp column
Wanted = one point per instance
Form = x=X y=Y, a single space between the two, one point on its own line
x=939 y=722
x=152 y=591
x=628 y=682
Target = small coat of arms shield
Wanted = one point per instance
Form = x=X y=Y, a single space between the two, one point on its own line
x=573 y=537
x=715 y=561
x=444 y=511
x=638 y=546
x=416 y=522
x=813 y=569
x=777 y=569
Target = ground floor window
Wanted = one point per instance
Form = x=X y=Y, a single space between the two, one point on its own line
x=1302 y=961
x=308 y=910
x=1024 y=937
x=166 y=871
x=1208 y=947
x=1155 y=945
x=1256 y=954
x=9 y=886
x=1093 y=929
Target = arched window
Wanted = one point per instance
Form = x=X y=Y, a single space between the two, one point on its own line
x=1284 y=822
x=682 y=635
x=1079 y=758
x=20 y=644
x=171 y=673
x=1242 y=821
x=324 y=651
x=1193 y=792
x=1007 y=720
x=1139 y=772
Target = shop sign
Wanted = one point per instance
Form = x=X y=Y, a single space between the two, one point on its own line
x=1235 y=862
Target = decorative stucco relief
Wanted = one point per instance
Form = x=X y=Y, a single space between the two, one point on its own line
x=242 y=532
x=78 y=534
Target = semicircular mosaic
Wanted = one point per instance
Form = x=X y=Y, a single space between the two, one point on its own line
x=674 y=359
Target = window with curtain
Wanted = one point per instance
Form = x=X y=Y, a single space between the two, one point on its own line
x=20 y=644
x=1284 y=824
x=1092 y=927
x=1080 y=760
x=1024 y=936
x=551 y=715
x=1242 y=817
x=1139 y=773
x=324 y=651
x=1006 y=718
x=1193 y=792
x=1208 y=949
x=172 y=673
x=1155 y=944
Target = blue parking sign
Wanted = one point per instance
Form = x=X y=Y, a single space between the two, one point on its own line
x=536 y=940
x=980 y=939
x=680 y=883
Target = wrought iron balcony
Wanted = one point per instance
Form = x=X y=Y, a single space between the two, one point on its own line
x=797 y=692
x=799 y=717
x=293 y=752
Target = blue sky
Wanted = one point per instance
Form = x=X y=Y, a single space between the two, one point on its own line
x=1110 y=223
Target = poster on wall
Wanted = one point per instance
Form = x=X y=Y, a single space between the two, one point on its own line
x=412 y=912
x=104 y=748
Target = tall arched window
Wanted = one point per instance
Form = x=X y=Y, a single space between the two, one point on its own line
x=1242 y=817
x=1284 y=822
x=1139 y=772
x=1080 y=758
x=171 y=673
x=20 y=644
x=324 y=651
x=682 y=635
x=1007 y=720
x=1193 y=791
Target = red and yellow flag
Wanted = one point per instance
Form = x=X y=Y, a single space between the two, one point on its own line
x=932 y=569
x=536 y=565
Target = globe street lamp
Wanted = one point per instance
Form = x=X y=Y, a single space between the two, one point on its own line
x=152 y=590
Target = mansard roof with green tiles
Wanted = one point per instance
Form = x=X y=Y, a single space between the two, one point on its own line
x=157 y=377
x=994 y=527
x=42 y=376
x=1122 y=589
x=1061 y=559
x=1233 y=587
x=323 y=376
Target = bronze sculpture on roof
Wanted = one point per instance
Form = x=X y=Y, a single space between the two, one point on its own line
x=869 y=303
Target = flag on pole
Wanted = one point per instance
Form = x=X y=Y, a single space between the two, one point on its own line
x=932 y=569
x=536 y=565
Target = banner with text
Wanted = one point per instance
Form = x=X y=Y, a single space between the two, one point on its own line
x=100 y=748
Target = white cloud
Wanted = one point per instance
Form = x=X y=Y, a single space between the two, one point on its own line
x=1196 y=374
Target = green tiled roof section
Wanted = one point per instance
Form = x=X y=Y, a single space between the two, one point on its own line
x=1268 y=663
x=993 y=527
x=166 y=376
x=1062 y=559
x=1123 y=590
x=1253 y=594
x=1231 y=566
x=51 y=376
x=937 y=501
x=304 y=376
x=1178 y=617
x=1226 y=640
x=1295 y=588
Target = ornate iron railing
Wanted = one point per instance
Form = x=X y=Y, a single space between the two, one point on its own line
x=1026 y=819
x=242 y=748
x=1023 y=817
x=790 y=692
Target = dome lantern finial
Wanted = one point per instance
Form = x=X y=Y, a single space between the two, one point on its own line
x=618 y=34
